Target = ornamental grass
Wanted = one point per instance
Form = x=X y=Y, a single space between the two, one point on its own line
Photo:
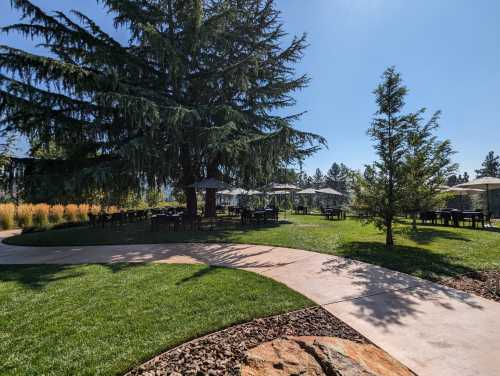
x=71 y=213
x=25 y=215
x=56 y=213
x=83 y=212
x=7 y=216
x=41 y=215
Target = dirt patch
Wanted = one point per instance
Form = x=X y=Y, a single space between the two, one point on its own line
x=223 y=353
x=484 y=284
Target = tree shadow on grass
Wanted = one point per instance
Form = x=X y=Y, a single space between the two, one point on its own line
x=37 y=277
x=199 y=274
x=415 y=261
x=426 y=235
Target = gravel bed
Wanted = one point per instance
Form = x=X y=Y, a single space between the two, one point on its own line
x=480 y=283
x=221 y=353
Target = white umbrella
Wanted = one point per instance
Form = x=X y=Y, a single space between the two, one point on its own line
x=283 y=187
x=463 y=192
x=329 y=191
x=253 y=193
x=308 y=191
x=278 y=193
x=483 y=183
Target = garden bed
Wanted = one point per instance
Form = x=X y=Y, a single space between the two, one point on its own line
x=222 y=353
x=482 y=283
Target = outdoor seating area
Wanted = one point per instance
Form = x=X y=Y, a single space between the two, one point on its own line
x=185 y=190
x=455 y=217
x=120 y=218
x=258 y=216
x=334 y=213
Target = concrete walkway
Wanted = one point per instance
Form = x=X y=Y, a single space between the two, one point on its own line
x=432 y=329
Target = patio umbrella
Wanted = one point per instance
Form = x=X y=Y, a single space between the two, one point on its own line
x=329 y=191
x=253 y=193
x=283 y=187
x=483 y=183
x=278 y=193
x=210 y=184
x=463 y=192
x=308 y=191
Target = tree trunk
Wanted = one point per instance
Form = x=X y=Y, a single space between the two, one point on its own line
x=414 y=221
x=210 y=194
x=210 y=203
x=188 y=177
x=191 y=200
x=389 y=240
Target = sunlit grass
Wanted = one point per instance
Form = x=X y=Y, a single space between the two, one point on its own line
x=103 y=320
x=430 y=252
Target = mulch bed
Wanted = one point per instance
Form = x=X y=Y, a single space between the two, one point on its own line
x=482 y=283
x=221 y=353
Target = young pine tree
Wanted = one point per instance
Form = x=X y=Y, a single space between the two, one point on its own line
x=427 y=165
x=381 y=190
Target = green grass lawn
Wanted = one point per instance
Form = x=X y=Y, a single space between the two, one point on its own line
x=103 y=320
x=431 y=252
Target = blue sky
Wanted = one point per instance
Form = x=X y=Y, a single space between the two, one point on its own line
x=447 y=51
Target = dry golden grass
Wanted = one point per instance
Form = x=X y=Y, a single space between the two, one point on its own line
x=56 y=213
x=95 y=209
x=7 y=216
x=71 y=213
x=25 y=215
x=83 y=212
x=41 y=214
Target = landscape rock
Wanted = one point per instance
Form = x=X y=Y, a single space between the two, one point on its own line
x=320 y=356
x=227 y=349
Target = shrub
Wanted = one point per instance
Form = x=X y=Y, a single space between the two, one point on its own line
x=41 y=215
x=95 y=209
x=83 y=212
x=7 y=216
x=71 y=213
x=56 y=213
x=25 y=215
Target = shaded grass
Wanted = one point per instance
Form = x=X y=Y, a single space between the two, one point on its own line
x=103 y=320
x=431 y=252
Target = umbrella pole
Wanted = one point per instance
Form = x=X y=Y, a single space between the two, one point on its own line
x=488 y=200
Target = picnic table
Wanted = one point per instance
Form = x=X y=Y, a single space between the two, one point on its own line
x=175 y=221
x=259 y=215
x=455 y=216
x=331 y=213
x=301 y=210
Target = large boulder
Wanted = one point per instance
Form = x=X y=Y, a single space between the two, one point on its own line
x=318 y=356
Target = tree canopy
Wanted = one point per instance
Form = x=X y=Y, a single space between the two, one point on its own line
x=193 y=94
x=490 y=166
x=411 y=164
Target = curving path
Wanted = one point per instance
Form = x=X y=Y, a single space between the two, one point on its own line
x=432 y=329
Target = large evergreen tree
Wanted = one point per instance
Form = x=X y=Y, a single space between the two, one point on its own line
x=490 y=166
x=339 y=177
x=318 y=180
x=192 y=95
